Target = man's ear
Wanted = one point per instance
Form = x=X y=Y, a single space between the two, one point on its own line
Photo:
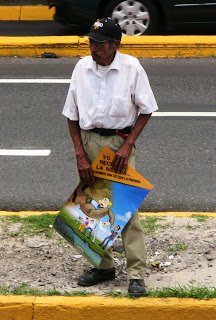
x=117 y=44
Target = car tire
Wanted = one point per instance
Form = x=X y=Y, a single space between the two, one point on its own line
x=135 y=17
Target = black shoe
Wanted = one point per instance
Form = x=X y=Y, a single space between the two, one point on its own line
x=96 y=275
x=136 y=287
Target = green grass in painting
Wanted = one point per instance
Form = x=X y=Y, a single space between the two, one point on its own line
x=74 y=225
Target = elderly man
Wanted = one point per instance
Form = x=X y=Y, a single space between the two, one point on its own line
x=109 y=102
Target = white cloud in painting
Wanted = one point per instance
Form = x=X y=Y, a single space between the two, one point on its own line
x=75 y=211
x=103 y=229
x=125 y=217
x=76 y=215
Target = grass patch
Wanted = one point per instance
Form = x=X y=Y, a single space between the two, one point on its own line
x=189 y=227
x=30 y=225
x=23 y=289
x=149 y=224
x=116 y=294
x=200 y=217
x=178 y=247
x=55 y=292
x=201 y=293
x=26 y=290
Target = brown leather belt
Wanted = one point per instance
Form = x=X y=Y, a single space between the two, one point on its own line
x=111 y=132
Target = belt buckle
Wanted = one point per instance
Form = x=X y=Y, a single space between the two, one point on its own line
x=100 y=131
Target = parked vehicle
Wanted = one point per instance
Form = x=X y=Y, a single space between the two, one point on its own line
x=137 y=17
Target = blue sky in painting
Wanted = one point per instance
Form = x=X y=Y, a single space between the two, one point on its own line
x=126 y=199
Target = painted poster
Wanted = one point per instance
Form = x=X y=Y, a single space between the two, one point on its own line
x=95 y=215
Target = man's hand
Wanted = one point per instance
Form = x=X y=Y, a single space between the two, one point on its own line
x=120 y=160
x=83 y=163
x=85 y=170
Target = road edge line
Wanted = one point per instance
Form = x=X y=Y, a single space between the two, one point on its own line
x=179 y=214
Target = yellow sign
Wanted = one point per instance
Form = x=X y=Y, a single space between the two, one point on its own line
x=102 y=169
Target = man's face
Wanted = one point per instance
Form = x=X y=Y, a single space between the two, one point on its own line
x=103 y=52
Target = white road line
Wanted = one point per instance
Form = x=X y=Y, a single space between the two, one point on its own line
x=184 y=114
x=23 y=153
x=34 y=80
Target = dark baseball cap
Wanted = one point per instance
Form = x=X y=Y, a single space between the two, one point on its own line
x=105 y=29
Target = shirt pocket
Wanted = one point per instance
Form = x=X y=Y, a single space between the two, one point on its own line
x=119 y=107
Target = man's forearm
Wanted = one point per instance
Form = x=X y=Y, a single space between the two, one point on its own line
x=83 y=163
x=74 y=129
x=139 y=126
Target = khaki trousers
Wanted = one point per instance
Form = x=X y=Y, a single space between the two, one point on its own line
x=132 y=234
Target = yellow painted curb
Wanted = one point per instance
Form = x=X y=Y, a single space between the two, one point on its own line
x=36 y=13
x=97 y=308
x=143 y=46
x=177 y=214
x=10 y=13
x=16 y=307
x=35 y=46
x=26 y=213
x=144 y=214
x=169 y=46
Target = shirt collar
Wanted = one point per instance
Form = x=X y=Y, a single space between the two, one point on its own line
x=115 y=65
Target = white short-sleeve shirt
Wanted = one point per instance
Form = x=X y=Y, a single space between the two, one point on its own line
x=112 y=99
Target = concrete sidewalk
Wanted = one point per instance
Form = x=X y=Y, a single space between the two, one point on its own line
x=143 y=46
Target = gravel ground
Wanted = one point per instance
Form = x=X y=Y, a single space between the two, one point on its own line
x=181 y=251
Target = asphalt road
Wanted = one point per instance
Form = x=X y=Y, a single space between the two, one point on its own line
x=34 y=28
x=53 y=28
x=176 y=154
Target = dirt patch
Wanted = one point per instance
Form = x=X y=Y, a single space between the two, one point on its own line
x=181 y=251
